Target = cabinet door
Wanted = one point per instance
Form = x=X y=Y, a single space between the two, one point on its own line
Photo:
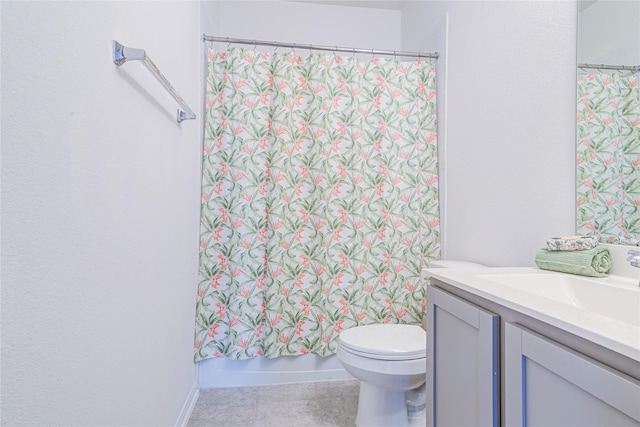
x=462 y=362
x=547 y=384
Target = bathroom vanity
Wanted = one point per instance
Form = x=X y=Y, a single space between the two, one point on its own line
x=522 y=346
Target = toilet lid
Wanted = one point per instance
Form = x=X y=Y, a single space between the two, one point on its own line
x=386 y=341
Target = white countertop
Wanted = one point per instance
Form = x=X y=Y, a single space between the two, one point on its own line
x=620 y=336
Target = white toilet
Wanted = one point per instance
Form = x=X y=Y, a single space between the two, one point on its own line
x=388 y=359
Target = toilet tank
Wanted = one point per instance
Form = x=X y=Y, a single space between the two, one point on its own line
x=446 y=263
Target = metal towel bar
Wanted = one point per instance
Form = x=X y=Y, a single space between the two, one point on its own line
x=122 y=54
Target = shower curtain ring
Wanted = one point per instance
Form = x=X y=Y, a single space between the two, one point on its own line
x=373 y=55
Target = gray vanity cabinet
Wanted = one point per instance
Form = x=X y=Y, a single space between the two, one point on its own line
x=462 y=362
x=489 y=365
x=548 y=384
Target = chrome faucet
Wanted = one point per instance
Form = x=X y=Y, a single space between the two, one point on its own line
x=634 y=258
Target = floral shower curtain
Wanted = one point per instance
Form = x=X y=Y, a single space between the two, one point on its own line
x=609 y=157
x=319 y=200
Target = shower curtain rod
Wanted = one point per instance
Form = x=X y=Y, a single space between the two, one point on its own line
x=634 y=68
x=434 y=55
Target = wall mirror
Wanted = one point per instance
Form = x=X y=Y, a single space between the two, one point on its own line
x=608 y=121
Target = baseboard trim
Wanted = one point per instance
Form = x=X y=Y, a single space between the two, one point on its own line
x=223 y=372
x=188 y=406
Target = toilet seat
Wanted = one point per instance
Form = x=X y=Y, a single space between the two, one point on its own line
x=385 y=341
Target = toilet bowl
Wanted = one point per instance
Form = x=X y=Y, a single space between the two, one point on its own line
x=388 y=359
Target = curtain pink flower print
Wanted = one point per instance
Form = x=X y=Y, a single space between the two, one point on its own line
x=609 y=156
x=319 y=200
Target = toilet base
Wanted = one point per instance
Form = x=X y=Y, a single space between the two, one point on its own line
x=380 y=407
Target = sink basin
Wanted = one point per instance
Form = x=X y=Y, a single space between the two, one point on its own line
x=615 y=301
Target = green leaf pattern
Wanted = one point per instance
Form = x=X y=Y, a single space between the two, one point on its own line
x=319 y=200
x=608 y=178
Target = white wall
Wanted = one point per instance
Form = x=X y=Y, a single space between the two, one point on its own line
x=100 y=198
x=609 y=33
x=303 y=23
x=309 y=23
x=510 y=122
x=210 y=17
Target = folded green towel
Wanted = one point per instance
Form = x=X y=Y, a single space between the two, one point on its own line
x=593 y=262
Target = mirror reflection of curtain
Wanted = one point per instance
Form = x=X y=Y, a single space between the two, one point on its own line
x=608 y=175
x=319 y=200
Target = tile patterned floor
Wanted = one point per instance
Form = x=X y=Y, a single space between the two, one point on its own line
x=313 y=404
